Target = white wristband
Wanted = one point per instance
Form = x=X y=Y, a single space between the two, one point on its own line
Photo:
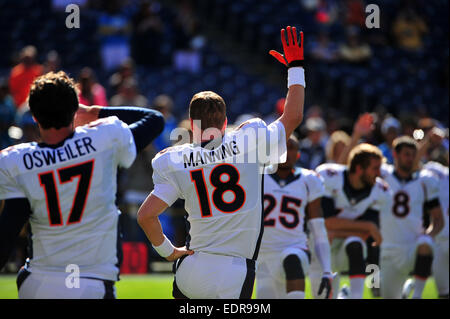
x=165 y=249
x=296 y=75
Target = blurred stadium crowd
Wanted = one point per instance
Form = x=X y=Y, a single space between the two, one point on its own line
x=157 y=54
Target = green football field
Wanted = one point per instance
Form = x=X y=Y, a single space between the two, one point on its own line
x=159 y=286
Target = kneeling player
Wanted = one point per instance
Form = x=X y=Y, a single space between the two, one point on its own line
x=353 y=198
x=407 y=246
x=289 y=195
x=440 y=261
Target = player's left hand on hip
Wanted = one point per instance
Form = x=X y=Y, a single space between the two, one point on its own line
x=179 y=252
x=293 y=50
x=327 y=285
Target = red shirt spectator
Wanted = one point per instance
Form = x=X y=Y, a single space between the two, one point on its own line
x=23 y=75
x=91 y=92
x=98 y=96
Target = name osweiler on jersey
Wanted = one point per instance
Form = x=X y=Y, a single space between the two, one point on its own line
x=222 y=186
x=71 y=189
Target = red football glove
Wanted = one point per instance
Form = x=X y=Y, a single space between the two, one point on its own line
x=293 y=52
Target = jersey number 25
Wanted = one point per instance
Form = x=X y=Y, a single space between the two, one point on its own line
x=284 y=209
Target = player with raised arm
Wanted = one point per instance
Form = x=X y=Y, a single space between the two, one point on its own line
x=292 y=198
x=65 y=187
x=220 y=176
x=407 y=246
x=354 y=197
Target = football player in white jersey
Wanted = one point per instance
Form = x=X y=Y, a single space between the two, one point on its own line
x=440 y=261
x=220 y=177
x=354 y=197
x=291 y=197
x=65 y=187
x=407 y=246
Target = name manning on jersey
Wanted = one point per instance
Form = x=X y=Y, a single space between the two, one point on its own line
x=72 y=150
x=226 y=150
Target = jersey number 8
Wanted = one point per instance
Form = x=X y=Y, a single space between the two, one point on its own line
x=401 y=205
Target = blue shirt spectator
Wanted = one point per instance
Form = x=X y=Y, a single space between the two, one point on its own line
x=390 y=128
x=7 y=114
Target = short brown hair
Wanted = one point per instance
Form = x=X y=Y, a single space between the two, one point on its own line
x=335 y=138
x=362 y=154
x=53 y=100
x=209 y=108
x=404 y=141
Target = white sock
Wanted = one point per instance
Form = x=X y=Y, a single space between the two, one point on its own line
x=296 y=294
x=419 y=285
x=356 y=287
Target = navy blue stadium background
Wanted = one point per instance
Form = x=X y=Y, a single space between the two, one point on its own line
x=231 y=40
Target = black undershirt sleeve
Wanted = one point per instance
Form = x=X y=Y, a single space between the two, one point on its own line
x=431 y=204
x=14 y=216
x=371 y=215
x=328 y=207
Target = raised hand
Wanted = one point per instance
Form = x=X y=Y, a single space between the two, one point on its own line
x=293 y=51
x=364 y=125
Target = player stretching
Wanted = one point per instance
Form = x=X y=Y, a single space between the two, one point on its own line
x=354 y=197
x=220 y=177
x=66 y=186
x=291 y=195
x=406 y=245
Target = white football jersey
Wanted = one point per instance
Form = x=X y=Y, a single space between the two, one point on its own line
x=71 y=188
x=284 y=209
x=222 y=186
x=404 y=221
x=365 y=204
x=442 y=173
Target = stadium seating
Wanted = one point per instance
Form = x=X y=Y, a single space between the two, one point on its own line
x=405 y=81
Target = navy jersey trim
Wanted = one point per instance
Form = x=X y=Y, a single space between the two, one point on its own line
x=30 y=242
x=404 y=180
x=187 y=229
x=291 y=178
x=119 y=251
x=176 y=292
x=431 y=204
x=42 y=144
x=371 y=215
x=249 y=281
x=21 y=276
x=355 y=195
x=261 y=229
x=16 y=213
x=109 y=289
x=328 y=207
